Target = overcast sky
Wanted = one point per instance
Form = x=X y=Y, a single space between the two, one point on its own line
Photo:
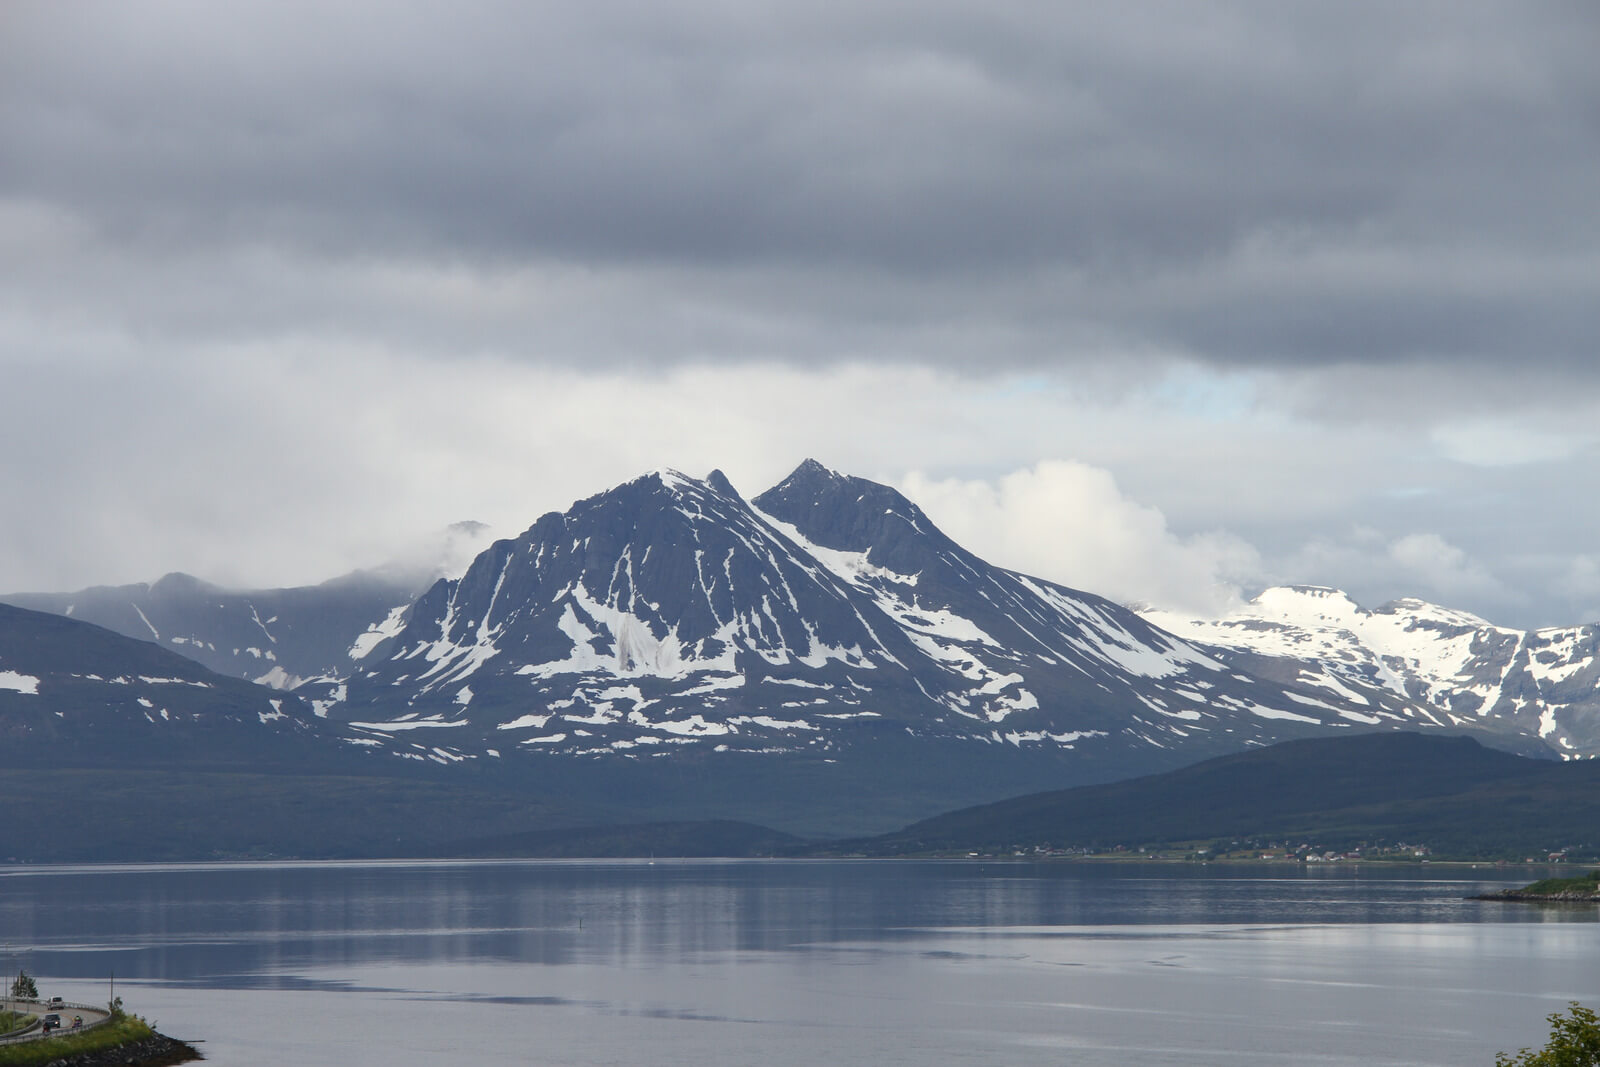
x=1168 y=301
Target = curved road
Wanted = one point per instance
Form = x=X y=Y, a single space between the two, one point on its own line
x=92 y=1016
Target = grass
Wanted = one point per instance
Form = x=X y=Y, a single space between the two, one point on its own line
x=121 y=1031
x=14 y=1020
x=1587 y=883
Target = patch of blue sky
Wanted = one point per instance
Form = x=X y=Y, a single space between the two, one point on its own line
x=1203 y=393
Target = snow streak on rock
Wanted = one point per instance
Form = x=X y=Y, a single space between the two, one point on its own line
x=670 y=612
x=1428 y=663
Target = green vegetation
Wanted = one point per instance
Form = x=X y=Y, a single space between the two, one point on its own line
x=24 y=988
x=108 y=815
x=14 y=1020
x=1574 y=1042
x=1587 y=883
x=1457 y=798
x=122 y=1031
x=1449 y=797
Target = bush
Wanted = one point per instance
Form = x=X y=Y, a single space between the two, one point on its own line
x=24 y=988
x=48 y=1050
x=1574 y=1042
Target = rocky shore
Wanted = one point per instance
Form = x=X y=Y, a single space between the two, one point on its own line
x=157 y=1050
x=1581 y=890
x=1565 y=896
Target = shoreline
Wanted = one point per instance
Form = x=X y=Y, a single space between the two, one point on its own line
x=156 y=1050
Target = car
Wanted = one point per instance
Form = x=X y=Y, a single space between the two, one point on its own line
x=52 y=1022
x=55 y=1002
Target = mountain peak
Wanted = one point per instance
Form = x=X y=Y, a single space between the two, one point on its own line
x=809 y=476
x=1421 y=610
x=677 y=483
x=666 y=477
x=852 y=514
x=1286 y=602
x=179 y=584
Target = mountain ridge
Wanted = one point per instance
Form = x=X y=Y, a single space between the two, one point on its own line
x=1449 y=793
x=1440 y=662
x=822 y=653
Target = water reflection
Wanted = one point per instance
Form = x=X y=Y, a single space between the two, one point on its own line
x=263 y=923
x=794 y=963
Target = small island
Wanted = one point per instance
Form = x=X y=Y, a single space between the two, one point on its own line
x=1584 y=889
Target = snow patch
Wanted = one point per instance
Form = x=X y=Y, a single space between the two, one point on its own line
x=19 y=683
x=525 y=721
x=397 y=725
x=378 y=632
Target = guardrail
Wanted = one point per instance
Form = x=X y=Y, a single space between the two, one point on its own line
x=27 y=1033
x=35 y=1031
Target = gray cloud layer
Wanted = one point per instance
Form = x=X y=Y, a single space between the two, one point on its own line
x=1249 y=183
x=1323 y=278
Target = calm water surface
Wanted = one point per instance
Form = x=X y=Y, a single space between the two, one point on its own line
x=804 y=963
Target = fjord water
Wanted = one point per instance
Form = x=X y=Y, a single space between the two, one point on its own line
x=801 y=963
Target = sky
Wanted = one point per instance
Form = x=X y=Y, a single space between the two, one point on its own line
x=1169 y=301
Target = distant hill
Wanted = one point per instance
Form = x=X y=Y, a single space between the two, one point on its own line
x=75 y=693
x=819 y=659
x=714 y=837
x=279 y=637
x=1448 y=792
x=107 y=815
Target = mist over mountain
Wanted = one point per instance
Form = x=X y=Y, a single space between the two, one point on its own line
x=822 y=656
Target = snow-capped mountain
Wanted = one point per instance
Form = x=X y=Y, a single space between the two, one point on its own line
x=278 y=637
x=1429 y=663
x=671 y=615
x=821 y=655
x=74 y=692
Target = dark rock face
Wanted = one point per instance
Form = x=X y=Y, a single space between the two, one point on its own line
x=1570 y=896
x=670 y=616
x=1579 y=890
x=822 y=643
x=278 y=636
x=75 y=693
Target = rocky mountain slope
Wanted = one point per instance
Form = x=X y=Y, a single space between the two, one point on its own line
x=1441 y=793
x=1429 y=663
x=278 y=637
x=670 y=614
x=670 y=647
x=71 y=692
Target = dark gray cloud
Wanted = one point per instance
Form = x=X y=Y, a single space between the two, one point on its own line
x=1317 y=283
x=1248 y=183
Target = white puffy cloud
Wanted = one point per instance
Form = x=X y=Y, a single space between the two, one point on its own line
x=1440 y=565
x=1375 y=567
x=1499 y=441
x=1070 y=523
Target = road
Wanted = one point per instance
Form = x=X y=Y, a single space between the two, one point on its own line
x=91 y=1016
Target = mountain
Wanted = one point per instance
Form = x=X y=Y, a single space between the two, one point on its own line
x=824 y=647
x=74 y=693
x=1432 y=664
x=1448 y=793
x=821 y=659
x=278 y=637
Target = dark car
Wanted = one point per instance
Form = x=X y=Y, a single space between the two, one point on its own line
x=52 y=1022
